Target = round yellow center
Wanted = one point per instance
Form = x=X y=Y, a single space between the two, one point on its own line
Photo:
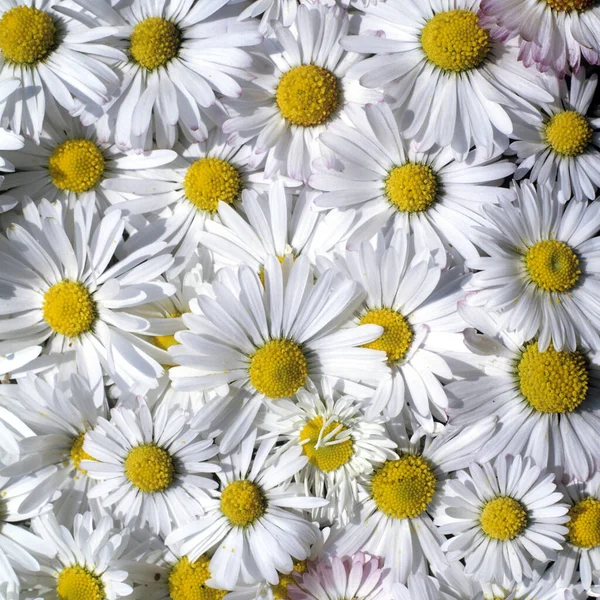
x=187 y=581
x=569 y=5
x=568 y=133
x=551 y=381
x=154 y=42
x=584 y=526
x=278 y=369
x=412 y=187
x=243 y=502
x=280 y=589
x=79 y=583
x=553 y=266
x=403 y=488
x=27 y=35
x=78 y=454
x=454 y=41
x=69 y=309
x=503 y=518
x=166 y=341
x=397 y=333
x=150 y=468
x=209 y=181
x=307 y=95
x=325 y=457
x=76 y=166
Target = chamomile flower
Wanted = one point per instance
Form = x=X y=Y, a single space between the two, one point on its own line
x=454 y=85
x=153 y=470
x=541 y=271
x=59 y=290
x=338 y=441
x=254 y=523
x=553 y=34
x=58 y=58
x=387 y=181
x=559 y=146
x=503 y=516
x=304 y=89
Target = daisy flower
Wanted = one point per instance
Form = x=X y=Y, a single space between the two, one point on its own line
x=454 y=85
x=58 y=58
x=559 y=146
x=178 y=57
x=546 y=401
x=254 y=523
x=387 y=181
x=553 y=34
x=59 y=290
x=503 y=516
x=542 y=269
x=338 y=441
x=153 y=469
x=304 y=89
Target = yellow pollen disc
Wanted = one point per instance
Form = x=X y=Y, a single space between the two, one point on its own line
x=551 y=381
x=568 y=133
x=78 y=454
x=330 y=457
x=164 y=342
x=278 y=369
x=150 y=468
x=280 y=589
x=397 y=333
x=69 y=309
x=569 y=5
x=27 y=35
x=76 y=166
x=307 y=95
x=79 y=583
x=209 y=181
x=503 y=518
x=553 y=266
x=243 y=502
x=187 y=581
x=403 y=488
x=454 y=41
x=584 y=526
x=154 y=42
x=411 y=188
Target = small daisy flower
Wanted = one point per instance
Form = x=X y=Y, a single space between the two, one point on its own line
x=59 y=59
x=387 y=181
x=559 y=146
x=553 y=34
x=541 y=270
x=454 y=85
x=503 y=516
x=305 y=89
x=254 y=523
x=153 y=469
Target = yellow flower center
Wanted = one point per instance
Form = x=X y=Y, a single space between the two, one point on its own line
x=397 y=333
x=307 y=95
x=280 y=589
x=503 y=518
x=164 y=342
x=551 y=381
x=243 y=502
x=69 y=309
x=209 y=181
x=553 y=266
x=584 y=526
x=412 y=187
x=278 y=369
x=403 y=488
x=154 y=42
x=454 y=41
x=27 y=35
x=79 y=583
x=568 y=133
x=569 y=5
x=187 y=581
x=328 y=457
x=78 y=454
x=150 y=468
x=76 y=166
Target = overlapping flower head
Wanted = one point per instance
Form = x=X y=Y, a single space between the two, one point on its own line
x=299 y=300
